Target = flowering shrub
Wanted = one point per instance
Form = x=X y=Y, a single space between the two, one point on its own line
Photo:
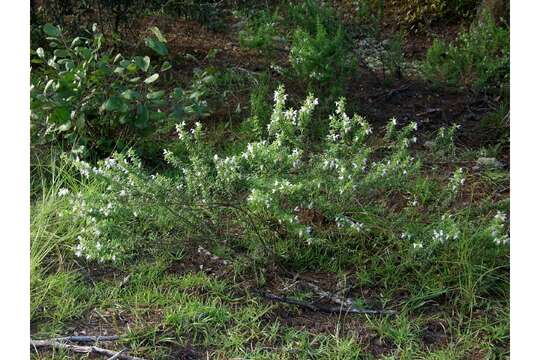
x=498 y=229
x=84 y=95
x=273 y=195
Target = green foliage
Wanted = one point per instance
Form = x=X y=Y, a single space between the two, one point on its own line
x=392 y=57
x=261 y=32
x=369 y=15
x=479 y=57
x=323 y=60
x=84 y=95
x=310 y=15
x=260 y=107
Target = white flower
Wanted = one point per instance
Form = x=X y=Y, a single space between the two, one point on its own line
x=63 y=192
x=357 y=226
x=503 y=240
x=500 y=216
x=418 y=245
x=110 y=163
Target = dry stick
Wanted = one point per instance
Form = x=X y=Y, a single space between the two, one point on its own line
x=81 y=349
x=332 y=296
x=83 y=339
x=389 y=94
x=117 y=356
x=322 y=308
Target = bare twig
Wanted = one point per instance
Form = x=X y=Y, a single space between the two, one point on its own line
x=332 y=296
x=87 y=339
x=118 y=354
x=323 y=308
x=429 y=112
x=82 y=349
x=388 y=95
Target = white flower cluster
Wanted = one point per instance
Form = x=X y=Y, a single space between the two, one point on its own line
x=407 y=236
x=345 y=222
x=341 y=125
x=448 y=230
x=287 y=126
x=228 y=169
x=498 y=229
x=442 y=236
x=457 y=180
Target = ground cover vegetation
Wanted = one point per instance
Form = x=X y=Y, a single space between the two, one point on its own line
x=270 y=180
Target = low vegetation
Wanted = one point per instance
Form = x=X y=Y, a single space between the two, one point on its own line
x=209 y=202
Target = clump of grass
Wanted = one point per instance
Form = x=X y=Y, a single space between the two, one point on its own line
x=57 y=293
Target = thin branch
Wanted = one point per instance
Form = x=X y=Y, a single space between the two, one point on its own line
x=323 y=308
x=332 y=296
x=87 y=339
x=118 y=354
x=81 y=349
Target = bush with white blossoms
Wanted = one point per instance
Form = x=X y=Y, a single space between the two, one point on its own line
x=457 y=180
x=498 y=229
x=275 y=195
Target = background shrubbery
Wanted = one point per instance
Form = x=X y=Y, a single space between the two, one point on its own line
x=479 y=57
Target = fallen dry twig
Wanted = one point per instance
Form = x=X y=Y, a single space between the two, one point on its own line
x=118 y=354
x=87 y=339
x=81 y=349
x=323 y=308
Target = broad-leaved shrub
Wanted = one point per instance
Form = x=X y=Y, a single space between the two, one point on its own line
x=83 y=94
